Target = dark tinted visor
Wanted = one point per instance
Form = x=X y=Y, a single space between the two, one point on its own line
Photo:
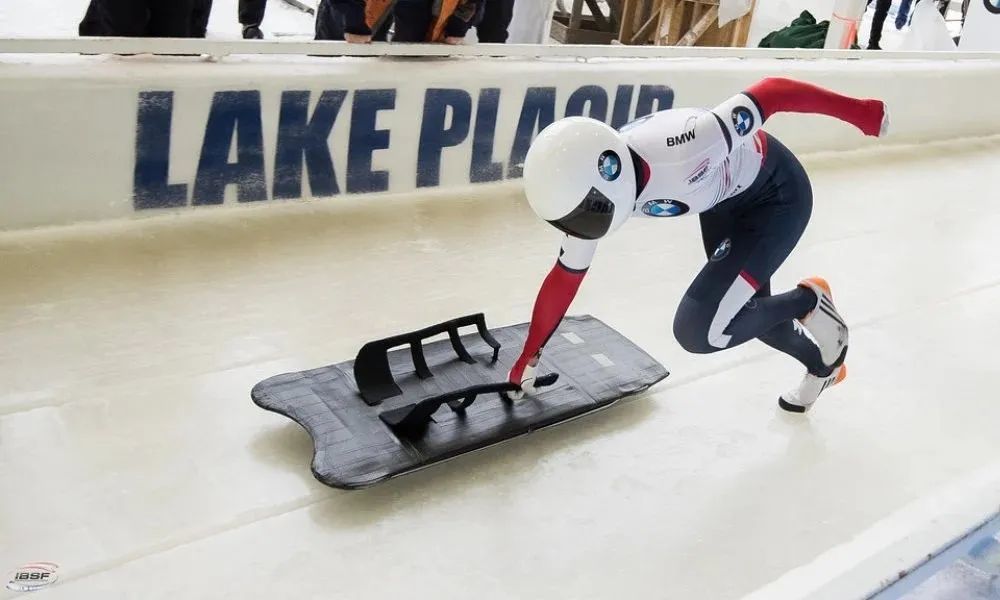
x=591 y=219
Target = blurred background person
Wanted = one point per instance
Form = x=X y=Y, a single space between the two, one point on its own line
x=93 y=22
x=139 y=18
x=422 y=21
x=494 y=22
x=251 y=15
x=348 y=20
x=199 y=17
x=878 y=22
x=903 y=17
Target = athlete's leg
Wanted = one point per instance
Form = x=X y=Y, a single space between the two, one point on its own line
x=717 y=227
x=723 y=307
x=720 y=310
x=787 y=336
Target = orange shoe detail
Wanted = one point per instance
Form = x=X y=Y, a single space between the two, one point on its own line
x=820 y=282
x=842 y=375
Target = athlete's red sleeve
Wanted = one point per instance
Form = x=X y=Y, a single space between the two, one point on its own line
x=738 y=120
x=554 y=298
x=777 y=94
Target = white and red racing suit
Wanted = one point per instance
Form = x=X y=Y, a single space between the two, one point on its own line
x=688 y=161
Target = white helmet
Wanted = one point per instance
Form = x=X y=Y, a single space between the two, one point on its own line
x=579 y=176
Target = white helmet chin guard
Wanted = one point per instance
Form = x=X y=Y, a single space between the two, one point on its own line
x=579 y=176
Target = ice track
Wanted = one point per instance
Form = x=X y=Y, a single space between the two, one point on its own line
x=133 y=457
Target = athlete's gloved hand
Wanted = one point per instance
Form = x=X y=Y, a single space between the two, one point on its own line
x=524 y=377
x=884 y=130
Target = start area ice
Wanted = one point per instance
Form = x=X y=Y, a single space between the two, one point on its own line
x=134 y=460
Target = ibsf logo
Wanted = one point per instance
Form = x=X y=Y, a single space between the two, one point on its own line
x=699 y=173
x=33 y=576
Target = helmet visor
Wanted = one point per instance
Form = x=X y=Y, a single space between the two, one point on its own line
x=591 y=219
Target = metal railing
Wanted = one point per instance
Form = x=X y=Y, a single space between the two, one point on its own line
x=222 y=48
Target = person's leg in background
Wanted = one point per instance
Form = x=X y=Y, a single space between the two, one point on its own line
x=251 y=15
x=413 y=19
x=170 y=18
x=492 y=28
x=329 y=22
x=878 y=22
x=94 y=22
x=126 y=18
x=901 y=14
x=199 y=18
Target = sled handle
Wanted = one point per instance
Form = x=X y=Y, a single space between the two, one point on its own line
x=371 y=366
x=412 y=420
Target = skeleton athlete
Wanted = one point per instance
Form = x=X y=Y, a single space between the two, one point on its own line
x=753 y=198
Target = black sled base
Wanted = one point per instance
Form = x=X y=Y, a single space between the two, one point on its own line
x=390 y=412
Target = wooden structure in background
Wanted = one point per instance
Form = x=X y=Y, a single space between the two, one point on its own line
x=680 y=23
x=574 y=27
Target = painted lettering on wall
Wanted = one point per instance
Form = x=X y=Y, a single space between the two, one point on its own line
x=452 y=123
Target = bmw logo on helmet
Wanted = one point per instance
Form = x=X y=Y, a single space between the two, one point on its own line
x=742 y=120
x=609 y=165
x=993 y=6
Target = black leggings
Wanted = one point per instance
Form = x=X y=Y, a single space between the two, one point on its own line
x=495 y=21
x=251 y=12
x=139 y=18
x=878 y=22
x=746 y=239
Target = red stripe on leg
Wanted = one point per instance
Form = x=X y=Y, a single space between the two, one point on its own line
x=747 y=277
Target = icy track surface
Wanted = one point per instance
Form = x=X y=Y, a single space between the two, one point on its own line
x=133 y=457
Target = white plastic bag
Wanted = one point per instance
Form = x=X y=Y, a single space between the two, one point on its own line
x=928 y=31
x=730 y=10
x=531 y=22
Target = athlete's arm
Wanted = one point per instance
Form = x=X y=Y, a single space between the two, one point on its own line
x=742 y=115
x=556 y=294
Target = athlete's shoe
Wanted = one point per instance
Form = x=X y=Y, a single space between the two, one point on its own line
x=803 y=397
x=825 y=324
x=827 y=328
